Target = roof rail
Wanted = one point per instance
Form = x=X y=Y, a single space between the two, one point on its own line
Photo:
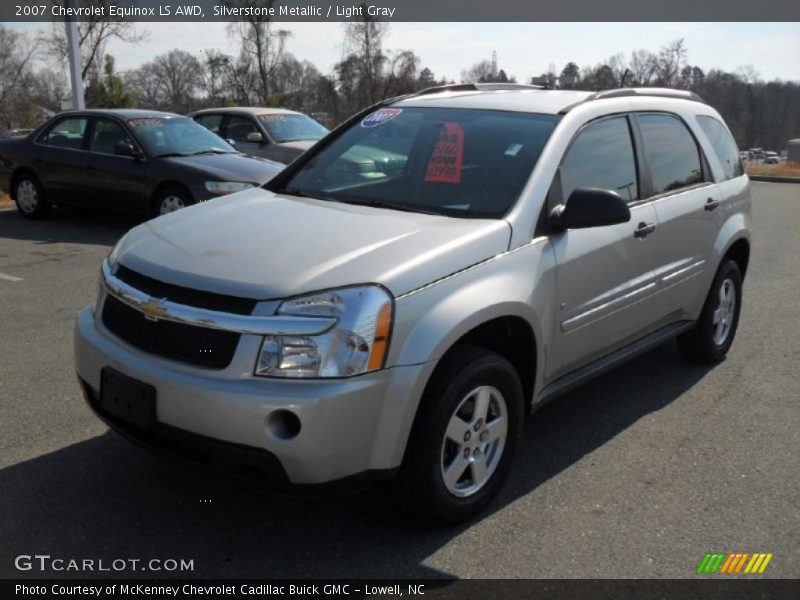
x=623 y=92
x=475 y=87
x=659 y=92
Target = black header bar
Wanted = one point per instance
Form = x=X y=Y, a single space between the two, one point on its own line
x=402 y=10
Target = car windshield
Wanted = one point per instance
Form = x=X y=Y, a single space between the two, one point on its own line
x=177 y=136
x=457 y=162
x=286 y=127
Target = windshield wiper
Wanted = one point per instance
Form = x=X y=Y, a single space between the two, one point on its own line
x=302 y=194
x=356 y=202
x=391 y=205
x=198 y=153
x=300 y=139
x=209 y=151
x=170 y=154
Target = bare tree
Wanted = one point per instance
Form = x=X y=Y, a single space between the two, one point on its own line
x=179 y=75
x=401 y=74
x=16 y=55
x=643 y=65
x=619 y=67
x=215 y=67
x=262 y=48
x=479 y=72
x=50 y=86
x=671 y=60
x=93 y=35
x=146 y=82
x=363 y=39
x=748 y=74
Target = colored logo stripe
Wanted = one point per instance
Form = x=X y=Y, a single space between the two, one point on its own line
x=758 y=563
x=711 y=563
x=733 y=563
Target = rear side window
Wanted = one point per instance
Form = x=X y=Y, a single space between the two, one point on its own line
x=724 y=146
x=671 y=151
x=67 y=133
x=210 y=122
x=602 y=157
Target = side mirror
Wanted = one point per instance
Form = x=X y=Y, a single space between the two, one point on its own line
x=255 y=137
x=126 y=149
x=589 y=207
x=231 y=142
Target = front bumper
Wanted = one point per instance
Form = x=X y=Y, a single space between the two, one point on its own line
x=349 y=427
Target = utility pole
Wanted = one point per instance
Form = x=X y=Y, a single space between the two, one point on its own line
x=74 y=57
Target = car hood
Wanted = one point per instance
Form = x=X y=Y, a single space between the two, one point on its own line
x=229 y=167
x=262 y=245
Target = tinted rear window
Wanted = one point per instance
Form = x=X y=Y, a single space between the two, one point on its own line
x=724 y=146
x=460 y=162
x=671 y=151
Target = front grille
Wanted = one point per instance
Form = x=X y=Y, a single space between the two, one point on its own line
x=183 y=295
x=200 y=346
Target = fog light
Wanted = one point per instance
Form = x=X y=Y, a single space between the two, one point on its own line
x=283 y=424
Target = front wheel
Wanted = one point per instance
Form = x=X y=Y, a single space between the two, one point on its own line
x=463 y=439
x=711 y=338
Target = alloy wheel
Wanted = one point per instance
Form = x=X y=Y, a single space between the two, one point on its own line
x=474 y=441
x=725 y=311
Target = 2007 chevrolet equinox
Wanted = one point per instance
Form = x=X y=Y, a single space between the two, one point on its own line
x=395 y=302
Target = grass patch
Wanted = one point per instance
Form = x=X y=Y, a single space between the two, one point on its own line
x=5 y=201
x=781 y=170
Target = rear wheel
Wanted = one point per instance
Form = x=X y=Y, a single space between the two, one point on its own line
x=463 y=438
x=169 y=200
x=30 y=197
x=711 y=338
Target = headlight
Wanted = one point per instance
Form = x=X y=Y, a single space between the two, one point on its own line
x=226 y=187
x=113 y=256
x=356 y=344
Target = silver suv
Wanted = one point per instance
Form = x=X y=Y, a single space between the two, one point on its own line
x=397 y=300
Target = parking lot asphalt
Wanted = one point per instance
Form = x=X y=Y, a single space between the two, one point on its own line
x=637 y=474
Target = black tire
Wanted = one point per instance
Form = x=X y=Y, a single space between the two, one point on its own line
x=420 y=490
x=163 y=196
x=30 y=197
x=699 y=343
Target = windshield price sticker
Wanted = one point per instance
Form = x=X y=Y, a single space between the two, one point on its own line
x=381 y=116
x=146 y=122
x=445 y=163
x=272 y=117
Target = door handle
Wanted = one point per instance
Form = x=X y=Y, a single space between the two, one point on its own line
x=712 y=204
x=644 y=229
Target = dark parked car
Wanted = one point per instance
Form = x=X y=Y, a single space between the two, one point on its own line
x=273 y=133
x=140 y=161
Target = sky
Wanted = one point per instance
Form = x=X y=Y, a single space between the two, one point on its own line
x=523 y=49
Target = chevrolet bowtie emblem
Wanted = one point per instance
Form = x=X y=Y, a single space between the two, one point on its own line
x=153 y=309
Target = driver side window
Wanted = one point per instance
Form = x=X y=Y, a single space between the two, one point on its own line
x=238 y=128
x=602 y=156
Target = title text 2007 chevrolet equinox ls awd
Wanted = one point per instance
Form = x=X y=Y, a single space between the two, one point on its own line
x=398 y=318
